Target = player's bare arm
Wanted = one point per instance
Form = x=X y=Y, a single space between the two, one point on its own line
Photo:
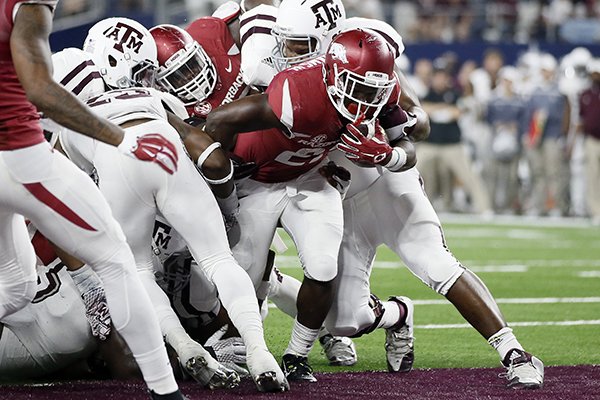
x=248 y=114
x=216 y=165
x=409 y=101
x=32 y=59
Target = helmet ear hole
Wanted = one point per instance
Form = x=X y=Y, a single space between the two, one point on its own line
x=112 y=61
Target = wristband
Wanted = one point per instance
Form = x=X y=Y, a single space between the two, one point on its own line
x=206 y=153
x=221 y=180
x=397 y=159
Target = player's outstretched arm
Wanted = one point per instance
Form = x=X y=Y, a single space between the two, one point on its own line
x=251 y=113
x=409 y=101
x=32 y=60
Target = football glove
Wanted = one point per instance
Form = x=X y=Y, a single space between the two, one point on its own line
x=362 y=147
x=151 y=147
x=338 y=177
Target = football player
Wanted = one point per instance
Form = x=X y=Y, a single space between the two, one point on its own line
x=34 y=343
x=137 y=194
x=62 y=201
x=383 y=206
x=289 y=144
x=201 y=66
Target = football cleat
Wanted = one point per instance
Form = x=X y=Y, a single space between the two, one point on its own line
x=170 y=396
x=523 y=371
x=297 y=368
x=212 y=378
x=339 y=350
x=265 y=372
x=399 y=340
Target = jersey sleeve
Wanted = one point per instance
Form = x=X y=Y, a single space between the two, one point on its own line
x=257 y=45
x=208 y=31
x=280 y=93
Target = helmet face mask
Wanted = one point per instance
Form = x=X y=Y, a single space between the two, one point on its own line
x=185 y=70
x=124 y=51
x=306 y=25
x=359 y=74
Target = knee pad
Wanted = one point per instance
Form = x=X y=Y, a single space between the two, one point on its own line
x=320 y=269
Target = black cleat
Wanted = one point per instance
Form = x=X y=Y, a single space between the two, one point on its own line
x=296 y=368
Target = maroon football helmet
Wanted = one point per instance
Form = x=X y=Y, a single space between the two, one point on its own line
x=359 y=73
x=185 y=70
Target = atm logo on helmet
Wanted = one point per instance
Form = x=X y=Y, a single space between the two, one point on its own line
x=129 y=37
x=327 y=13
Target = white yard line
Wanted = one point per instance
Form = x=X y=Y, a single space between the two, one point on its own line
x=527 y=300
x=474 y=265
x=526 y=323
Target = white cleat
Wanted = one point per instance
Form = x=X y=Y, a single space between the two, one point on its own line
x=523 y=371
x=339 y=350
x=265 y=372
x=204 y=369
x=399 y=341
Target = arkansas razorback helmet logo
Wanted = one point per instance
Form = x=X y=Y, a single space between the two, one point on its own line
x=202 y=108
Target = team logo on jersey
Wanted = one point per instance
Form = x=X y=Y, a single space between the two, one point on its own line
x=327 y=13
x=338 y=52
x=125 y=35
x=318 y=141
x=202 y=109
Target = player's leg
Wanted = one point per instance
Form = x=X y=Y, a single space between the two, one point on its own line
x=418 y=240
x=131 y=189
x=18 y=279
x=69 y=210
x=356 y=311
x=188 y=205
x=314 y=220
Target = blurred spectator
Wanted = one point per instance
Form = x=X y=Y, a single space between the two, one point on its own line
x=72 y=7
x=443 y=150
x=484 y=81
x=548 y=116
x=589 y=111
x=574 y=80
x=506 y=116
x=421 y=79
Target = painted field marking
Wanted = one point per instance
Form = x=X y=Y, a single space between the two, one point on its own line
x=589 y=274
x=526 y=323
x=526 y=300
x=473 y=265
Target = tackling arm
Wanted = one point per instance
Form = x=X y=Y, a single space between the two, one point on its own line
x=409 y=101
x=31 y=57
x=213 y=162
x=251 y=113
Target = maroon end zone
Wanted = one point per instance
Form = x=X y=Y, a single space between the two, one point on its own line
x=576 y=382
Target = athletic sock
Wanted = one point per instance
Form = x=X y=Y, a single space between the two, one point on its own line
x=504 y=341
x=302 y=340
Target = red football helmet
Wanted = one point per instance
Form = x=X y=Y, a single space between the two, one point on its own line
x=185 y=70
x=359 y=73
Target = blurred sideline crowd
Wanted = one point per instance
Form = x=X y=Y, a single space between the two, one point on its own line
x=519 y=21
x=518 y=139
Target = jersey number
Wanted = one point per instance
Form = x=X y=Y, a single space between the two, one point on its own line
x=301 y=157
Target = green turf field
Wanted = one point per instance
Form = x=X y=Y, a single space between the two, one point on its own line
x=546 y=280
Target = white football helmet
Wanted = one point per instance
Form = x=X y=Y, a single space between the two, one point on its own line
x=125 y=52
x=75 y=70
x=311 y=23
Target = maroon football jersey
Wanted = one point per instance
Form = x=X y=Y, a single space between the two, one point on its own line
x=298 y=97
x=215 y=38
x=19 y=119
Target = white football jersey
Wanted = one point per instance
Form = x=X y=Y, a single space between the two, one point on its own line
x=257 y=45
x=118 y=106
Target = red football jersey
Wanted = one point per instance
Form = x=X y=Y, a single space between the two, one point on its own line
x=19 y=119
x=298 y=97
x=215 y=38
